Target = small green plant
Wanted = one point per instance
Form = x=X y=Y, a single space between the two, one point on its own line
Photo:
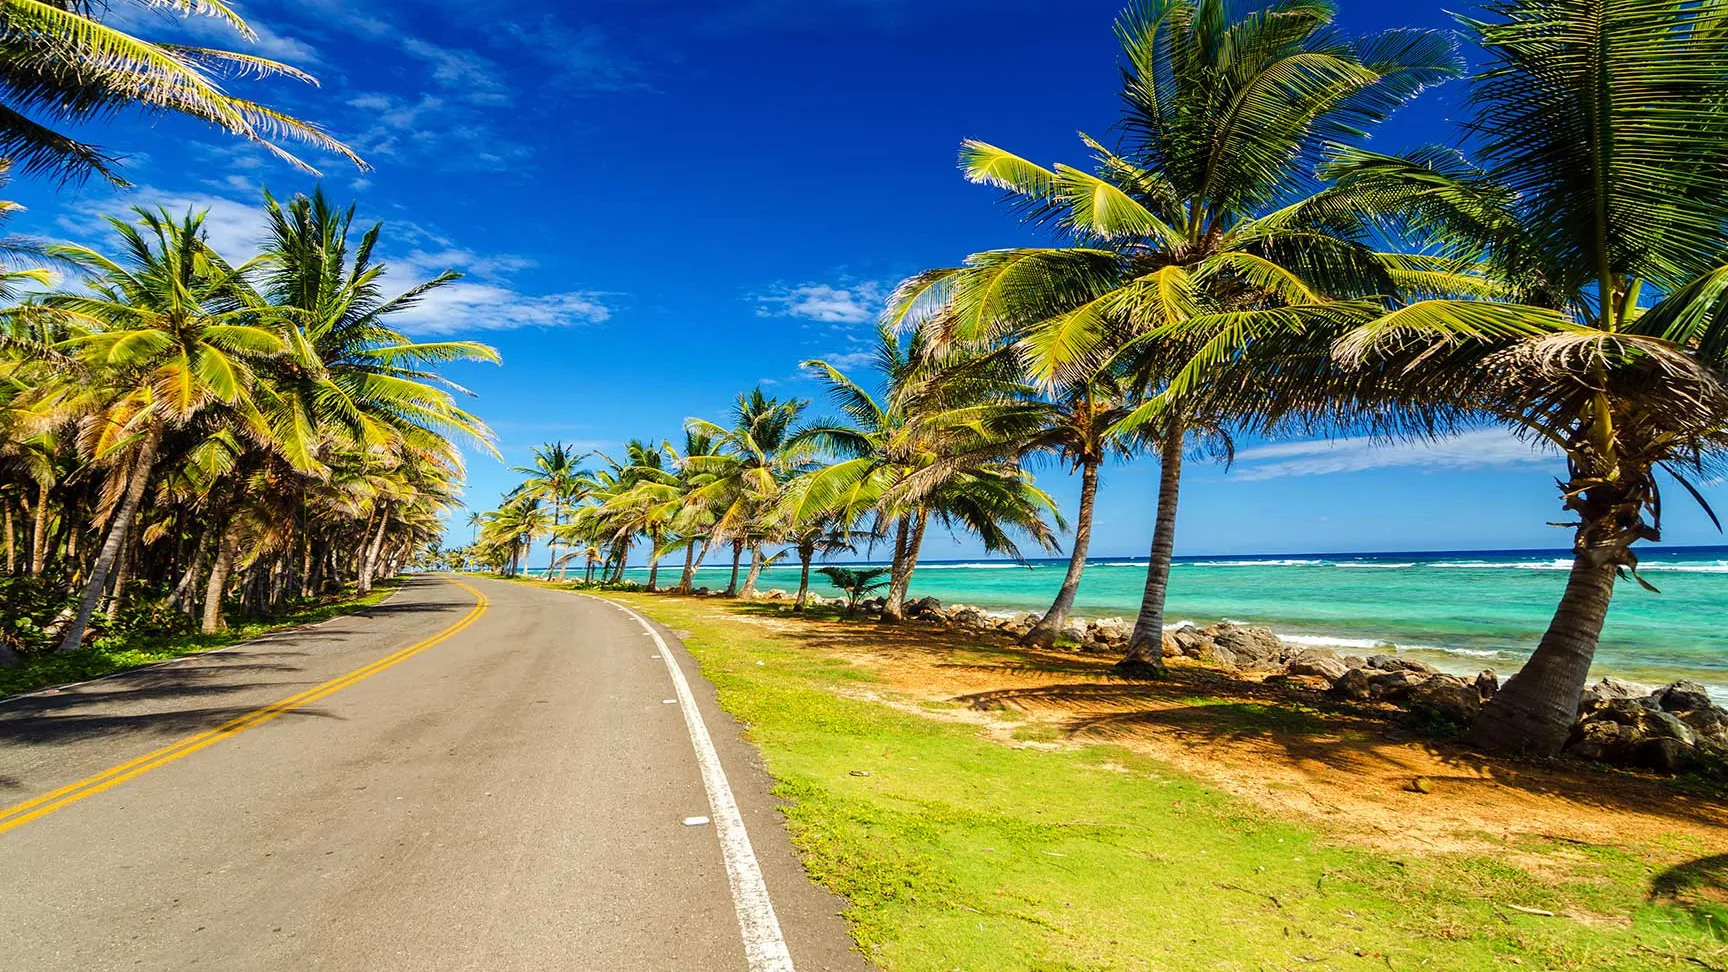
x=856 y=582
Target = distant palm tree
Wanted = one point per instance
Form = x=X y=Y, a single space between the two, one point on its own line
x=65 y=65
x=1192 y=241
x=556 y=477
x=1594 y=214
x=940 y=442
x=759 y=453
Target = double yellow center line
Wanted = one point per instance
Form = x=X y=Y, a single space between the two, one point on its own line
x=20 y=814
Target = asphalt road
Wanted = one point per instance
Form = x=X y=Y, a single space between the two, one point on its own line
x=509 y=796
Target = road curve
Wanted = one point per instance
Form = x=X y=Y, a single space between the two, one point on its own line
x=447 y=788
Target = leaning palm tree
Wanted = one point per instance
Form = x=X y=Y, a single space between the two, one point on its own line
x=760 y=453
x=169 y=333
x=1080 y=428
x=1193 y=238
x=1593 y=204
x=66 y=64
x=939 y=441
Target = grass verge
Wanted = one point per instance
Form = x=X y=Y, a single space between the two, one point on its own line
x=95 y=661
x=956 y=851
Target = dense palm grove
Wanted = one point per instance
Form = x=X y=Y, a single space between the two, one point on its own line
x=187 y=437
x=1236 y=262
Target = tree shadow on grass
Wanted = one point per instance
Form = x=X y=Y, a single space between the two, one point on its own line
x=1203 y=708
x=1698 y=889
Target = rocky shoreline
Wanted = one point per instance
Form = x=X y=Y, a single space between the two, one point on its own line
x=1671 y=728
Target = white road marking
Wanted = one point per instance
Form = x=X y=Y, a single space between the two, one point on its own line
x=764 y=945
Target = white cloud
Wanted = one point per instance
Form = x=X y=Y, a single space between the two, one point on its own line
x=466 y=306
x=469 y=76
x=1478 y=449
x=849 y=360
x=851 y=303
x=234 y=229
x=432 y=130
x=484 y=300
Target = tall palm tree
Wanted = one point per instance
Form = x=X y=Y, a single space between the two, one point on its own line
x=172 y=331
x=1193 y=239
x=1592 y=205
x=1080 y=428
x=939 y=442
x=65 y=64
x=556 y=476
x=761 y=452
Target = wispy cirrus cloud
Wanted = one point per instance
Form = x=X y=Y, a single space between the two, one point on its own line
x=487 y=298
x=848 y=303
x=1477 y=449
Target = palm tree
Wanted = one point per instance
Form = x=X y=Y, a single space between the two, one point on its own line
x=557 y=478
x=170 y=335
x=760 y=453
x=66 y=66
x=1080 y=428
x=940 y=441
x=1593 y=212
x=1193 y=240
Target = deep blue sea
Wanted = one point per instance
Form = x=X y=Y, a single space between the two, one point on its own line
x=1460 y=610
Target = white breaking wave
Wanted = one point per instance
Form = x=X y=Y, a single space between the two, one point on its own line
x=989 y=566
x=1367 y=564
x=1256 y=563
x=1516 y=565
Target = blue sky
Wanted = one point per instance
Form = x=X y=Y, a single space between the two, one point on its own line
x=658 y=204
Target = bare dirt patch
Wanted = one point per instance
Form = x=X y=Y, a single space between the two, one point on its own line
x=1290 y=749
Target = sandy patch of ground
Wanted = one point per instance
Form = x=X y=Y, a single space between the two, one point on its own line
x=1290 y=749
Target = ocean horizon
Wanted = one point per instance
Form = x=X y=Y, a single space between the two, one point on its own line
x=1460 y=610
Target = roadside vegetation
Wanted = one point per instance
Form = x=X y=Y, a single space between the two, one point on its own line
x=192 y=439
x=1235 y=262
x=975 y=819
x=149 y=643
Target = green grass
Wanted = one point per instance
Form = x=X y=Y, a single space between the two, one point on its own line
x=103 y=658
x=957 y=852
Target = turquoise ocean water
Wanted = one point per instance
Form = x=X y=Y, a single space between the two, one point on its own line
x=1462 y=611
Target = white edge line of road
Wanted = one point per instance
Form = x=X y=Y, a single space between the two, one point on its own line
x=764 y=945
x=63 y=686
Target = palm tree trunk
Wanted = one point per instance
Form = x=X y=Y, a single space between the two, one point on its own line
x=1043 y=634
x=11 y=543
x=755 y=574
x=39 y=534
x=1534 y=711
x=894 y=608
x=588 y=574
x=142 y=465
x=117 y=593
x=737 y=554
x=805 y=555
x=218 y=585
x=184 y=587
x=1145 y=658
x=552 y=541
x=689 y=576
x=653 y=560
x=369 y=562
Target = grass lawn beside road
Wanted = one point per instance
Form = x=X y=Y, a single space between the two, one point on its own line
x=961 y=850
